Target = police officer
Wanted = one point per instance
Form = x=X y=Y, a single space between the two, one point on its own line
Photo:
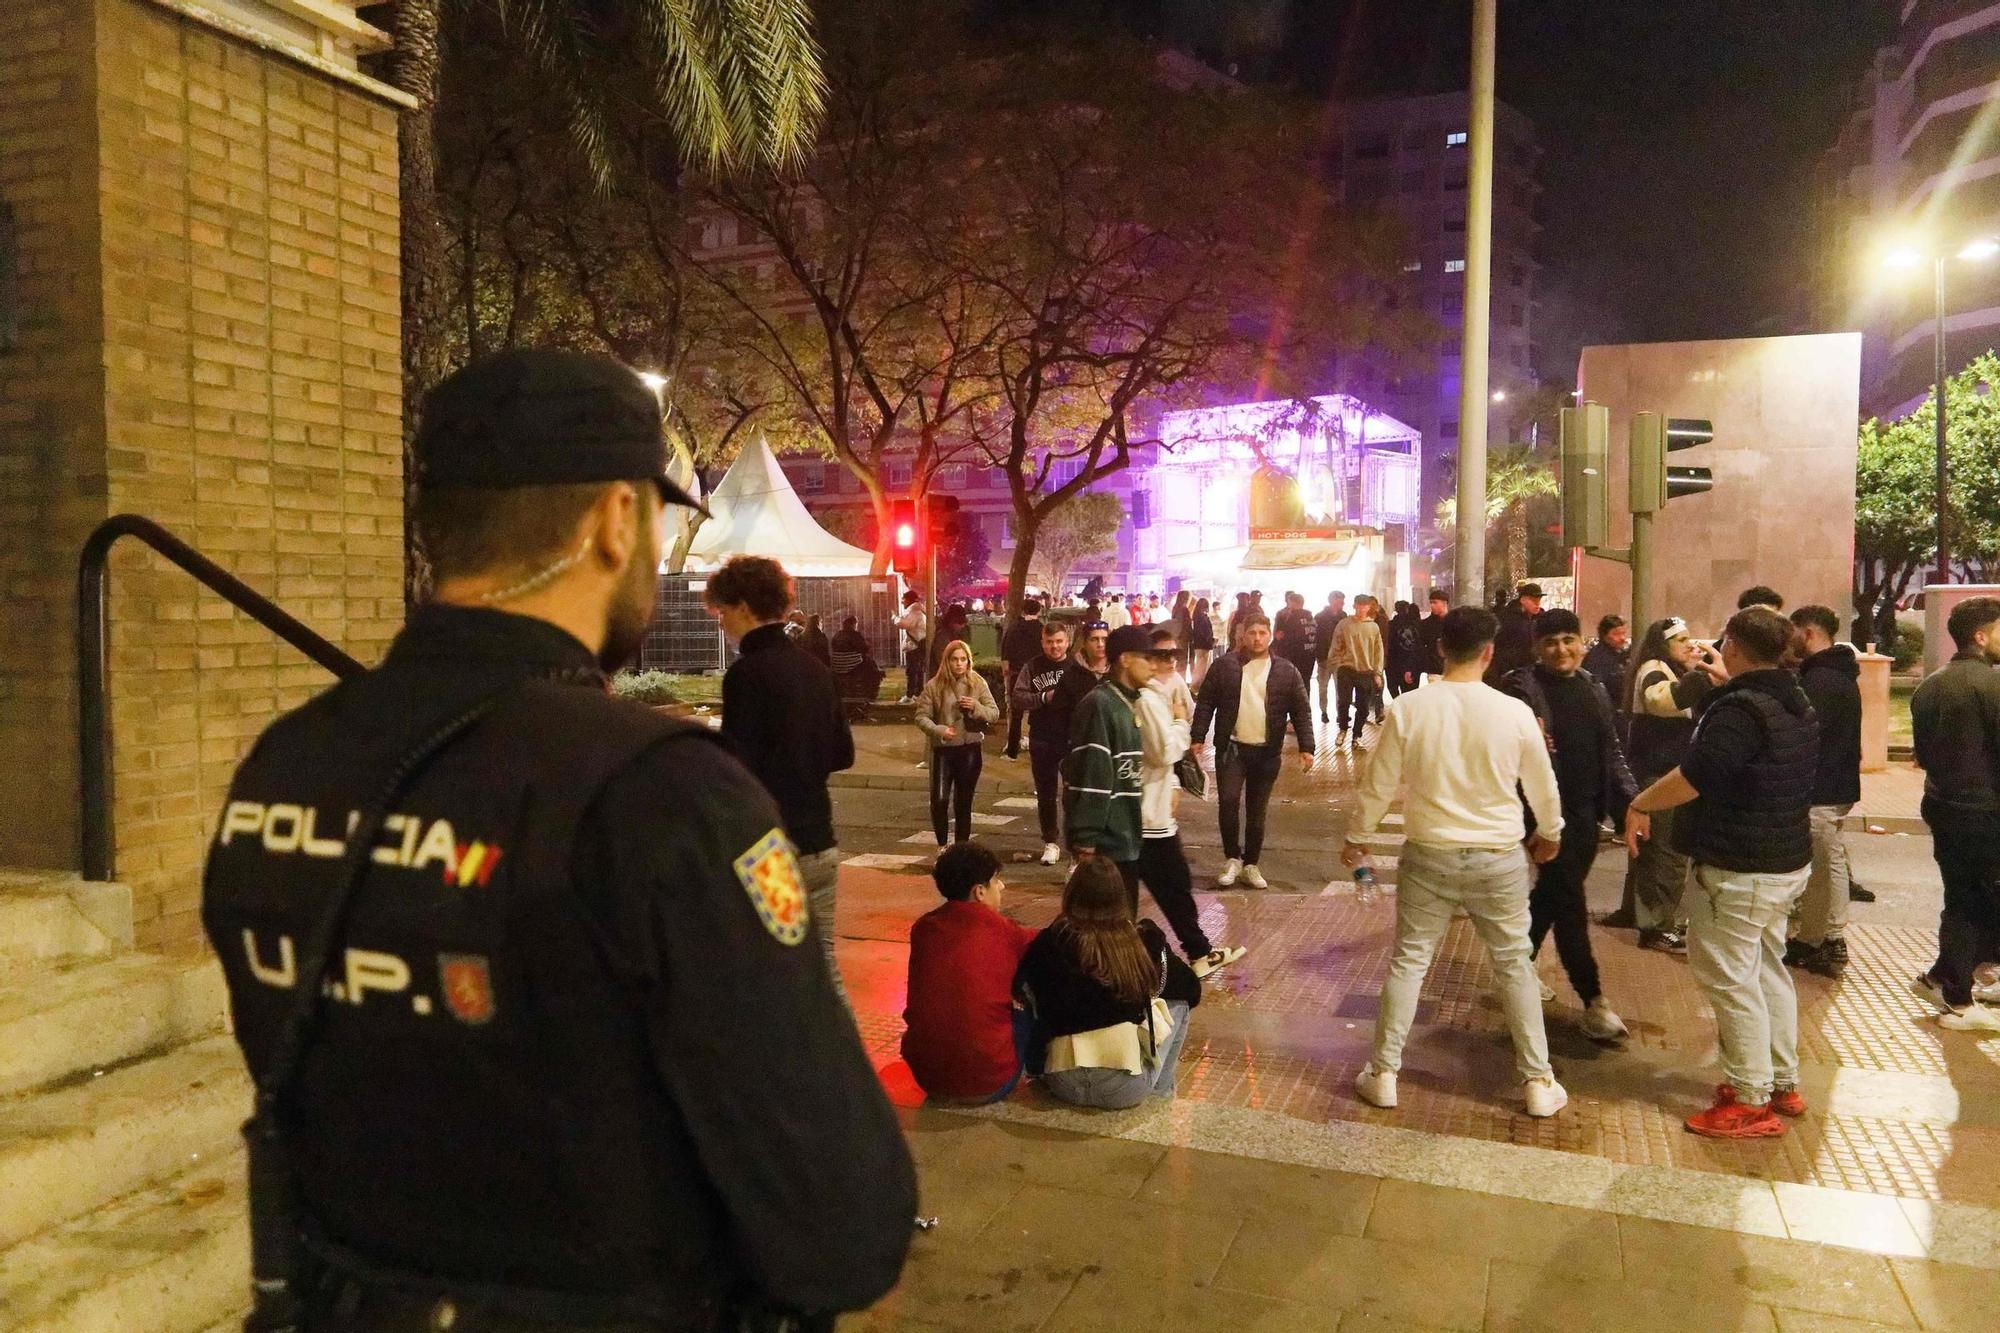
x=575 y=1060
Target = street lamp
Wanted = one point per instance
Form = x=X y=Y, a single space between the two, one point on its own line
x=1908 y=258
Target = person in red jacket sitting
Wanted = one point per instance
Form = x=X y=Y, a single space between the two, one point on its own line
x=965 y=1041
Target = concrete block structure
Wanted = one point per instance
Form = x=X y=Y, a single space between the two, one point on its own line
x=205 y=206
x=1782 y=511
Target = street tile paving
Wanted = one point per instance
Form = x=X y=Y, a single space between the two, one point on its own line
x=1285 y=1031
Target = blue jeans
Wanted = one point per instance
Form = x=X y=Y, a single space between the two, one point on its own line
x=1118 y=1089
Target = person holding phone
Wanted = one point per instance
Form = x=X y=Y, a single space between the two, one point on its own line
x=954 y=711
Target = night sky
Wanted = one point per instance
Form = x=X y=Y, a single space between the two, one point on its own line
x=1679 y=137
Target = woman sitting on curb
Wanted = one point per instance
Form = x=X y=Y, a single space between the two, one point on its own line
x=1109 y=997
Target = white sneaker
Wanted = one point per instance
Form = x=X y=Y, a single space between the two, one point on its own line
x=1050 y=853
x=1545 y=1097
x=1548 y=991
x=1213 y=959
x=1972 y=1018
x=1986 y=992
x=1375 y=1086
x=1255 y=878
x=1230 y=870
x=1600 y=1023
x=1925 y=987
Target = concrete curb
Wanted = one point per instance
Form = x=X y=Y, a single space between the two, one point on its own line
x=918 y=779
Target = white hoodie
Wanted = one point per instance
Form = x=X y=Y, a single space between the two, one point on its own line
x=1163 y=739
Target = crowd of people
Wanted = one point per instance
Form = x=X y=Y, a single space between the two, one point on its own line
x=1517 y=744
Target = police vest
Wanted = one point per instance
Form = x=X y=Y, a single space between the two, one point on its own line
x=480 y=1102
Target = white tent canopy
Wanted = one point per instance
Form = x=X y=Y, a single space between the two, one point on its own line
x=758 y=513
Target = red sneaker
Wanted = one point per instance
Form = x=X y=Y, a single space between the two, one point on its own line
x=1730 y=1119
x=1788 y=1102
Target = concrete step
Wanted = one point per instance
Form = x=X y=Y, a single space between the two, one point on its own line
x=46 y=916
x=79 y=1015
x=67 y=1151
x=171 y=1259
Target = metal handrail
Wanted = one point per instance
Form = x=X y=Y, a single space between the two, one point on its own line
x=92 y=610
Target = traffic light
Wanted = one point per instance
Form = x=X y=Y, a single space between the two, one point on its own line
x=1586 y=429
x=942 y=511
x=1653 y=483
x=904 y=546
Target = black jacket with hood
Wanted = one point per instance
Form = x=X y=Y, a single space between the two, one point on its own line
x=1831 y=679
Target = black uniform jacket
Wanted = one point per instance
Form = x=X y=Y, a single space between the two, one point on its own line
x=579 y=1036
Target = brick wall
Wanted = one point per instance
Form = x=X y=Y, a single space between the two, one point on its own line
x=52 y=482
x=248 y=397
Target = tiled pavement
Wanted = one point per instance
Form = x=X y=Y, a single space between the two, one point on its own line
x=1040 y=1229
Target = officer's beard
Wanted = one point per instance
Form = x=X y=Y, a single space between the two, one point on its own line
x=631 y=610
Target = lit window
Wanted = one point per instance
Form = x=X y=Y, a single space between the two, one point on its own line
x=899 y=472
x=1454 y=266
x=1413 y=266
x=1456 y=139
x=812 y=477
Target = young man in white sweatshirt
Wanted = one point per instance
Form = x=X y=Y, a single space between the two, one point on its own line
x=1468 y=754
x=1165 y=708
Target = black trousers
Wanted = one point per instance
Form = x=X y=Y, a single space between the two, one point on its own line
x=1045 y=761
x=1246 y=776
x=954 y=779
x=914 y=668
x=1967 y=847
x=1557 y=903
x=1358 y=690
x=1163 y=868
x=1397 y=685
x=1015 y=716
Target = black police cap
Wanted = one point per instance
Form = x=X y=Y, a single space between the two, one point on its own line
x=543 y=416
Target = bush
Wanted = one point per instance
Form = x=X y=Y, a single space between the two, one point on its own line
x=1909 y=648
x=646 y=687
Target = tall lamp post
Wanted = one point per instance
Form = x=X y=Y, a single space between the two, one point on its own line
x=1470 y=571
x=1911 y=257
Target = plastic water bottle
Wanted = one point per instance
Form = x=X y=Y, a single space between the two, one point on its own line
x=1364 y=883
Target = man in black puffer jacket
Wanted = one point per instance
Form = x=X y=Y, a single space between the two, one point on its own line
x=1831 y=677
x=1748 y=784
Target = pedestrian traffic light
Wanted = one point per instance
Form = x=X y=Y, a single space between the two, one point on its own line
x=903 y=533
x=1586 y=430
x=942 y=511
x=1653 y=483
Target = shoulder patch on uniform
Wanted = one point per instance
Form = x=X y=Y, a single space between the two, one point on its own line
x=770 y=876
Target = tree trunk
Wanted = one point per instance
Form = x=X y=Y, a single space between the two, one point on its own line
x=1517 y=543
x=1017 y=568
x=413 y=67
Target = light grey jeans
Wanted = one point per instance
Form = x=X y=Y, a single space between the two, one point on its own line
x=821 y=871
x=1491 y=884
x=1823 y=909
x=1736 y=950
x=1119 y=1089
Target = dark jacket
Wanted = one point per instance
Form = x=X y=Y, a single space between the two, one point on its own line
x=1752 y=760
x=1513 y=644
x=1831 y=679
x=1101 y=777
x=598 y=1050
x=782 y=712
x=1434 y=645
x=1324 y=624
x=1049 y=689
x=1293 y=634
x=1617 y=787
x=1067 y=1000
x=1403 y=645
x=1021 y=644
x=1955 y=718
x=1201 y=632
x=1606 y=666
x=817 y=646
x=1285 y=699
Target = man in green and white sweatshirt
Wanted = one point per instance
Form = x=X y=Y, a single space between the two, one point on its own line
x=1102 y=784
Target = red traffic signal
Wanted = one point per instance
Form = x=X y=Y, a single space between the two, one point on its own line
x=903 y=535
